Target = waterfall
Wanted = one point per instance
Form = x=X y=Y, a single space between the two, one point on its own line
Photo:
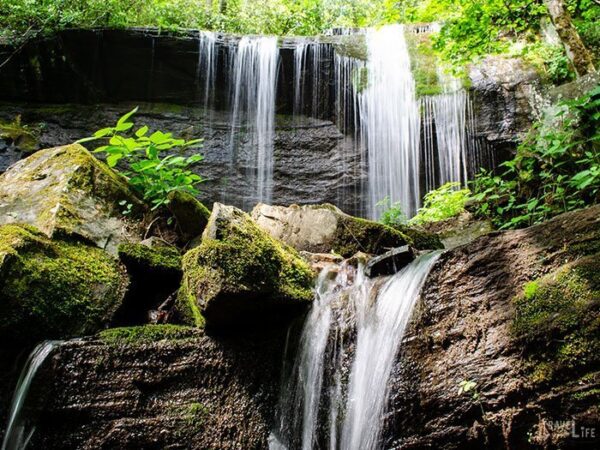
x=352 y=320
x=18 y=430
x=253 y=89
x=207 y=65
x=390 y=121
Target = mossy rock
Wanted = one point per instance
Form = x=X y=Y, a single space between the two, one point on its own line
x=325 y=228
x=241 y=275
x=65 y=191
x=146 y=334
x=24 y=137
x=191 y=215
x=422 y=240
x=558 y=320
x=54 y=289
x=151 y=258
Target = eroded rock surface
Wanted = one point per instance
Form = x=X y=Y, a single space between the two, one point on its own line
x=464 y=330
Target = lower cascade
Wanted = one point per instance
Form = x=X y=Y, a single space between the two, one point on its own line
x=334 y=395
x=19 y=431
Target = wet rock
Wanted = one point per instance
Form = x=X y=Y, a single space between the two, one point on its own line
x=480 y=319
x=54 y=289
x=319 y=261
x=161 y=387
x=65 y=191
x=191 y=215
x=325 y=228
x=459 y=230
x=390 y=262
x=239 y=275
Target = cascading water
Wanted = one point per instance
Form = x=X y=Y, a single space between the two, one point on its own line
x=253 y=88
x=19 y=431
x=390 y=121
x=351 y=320
x=207 y=65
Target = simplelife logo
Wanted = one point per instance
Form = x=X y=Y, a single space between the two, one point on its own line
x=576 y=431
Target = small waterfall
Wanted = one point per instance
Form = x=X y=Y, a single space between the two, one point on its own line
x=206 y=69
x=352 y=323
x=300 y=52
x=390 y=121
x=19 y=431
x=253 y=89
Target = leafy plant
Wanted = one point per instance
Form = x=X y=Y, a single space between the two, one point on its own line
x=140 y=154
x=392 y=214
x=442 y=203
x=556 y=169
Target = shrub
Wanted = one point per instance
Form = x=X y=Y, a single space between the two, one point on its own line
x=442 y=203
x=150 y=174
x=556 y=169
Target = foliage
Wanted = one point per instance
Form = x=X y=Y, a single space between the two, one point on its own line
x=551 y=61
x=442 y=203
x=556 y=169
x=468 y=386
x=392 y=214
x=149 y=173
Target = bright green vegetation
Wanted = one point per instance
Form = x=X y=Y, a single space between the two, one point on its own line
x=442 y=203
x=557 y=320
x=556 y=169
x=145 y=334
x=54 y=289
x=149 y=173
x=470 y=28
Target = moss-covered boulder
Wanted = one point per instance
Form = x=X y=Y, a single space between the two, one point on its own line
x=239 y=275
x=190 y=214
x=65 y=191
x=325 y=228
x=54 y=289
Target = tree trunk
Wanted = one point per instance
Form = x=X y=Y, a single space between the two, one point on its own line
x=580 y=57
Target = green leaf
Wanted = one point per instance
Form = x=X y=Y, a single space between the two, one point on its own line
x=142 y=131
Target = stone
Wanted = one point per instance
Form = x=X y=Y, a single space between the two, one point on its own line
x=163 y=387
x=325 y=228
x=65 y=191
x=319 y=261
x=190 y=214
x=154 y=267
x=53 y=289
x=240 y=275
x=459 y=230
x=391 y=262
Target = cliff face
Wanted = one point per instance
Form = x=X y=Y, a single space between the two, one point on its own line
x=191 y=391
x=314 y=161
x=541 y=392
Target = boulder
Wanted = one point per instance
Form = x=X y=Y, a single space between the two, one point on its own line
x=54 y=289
x=65 y=191
x=325 y=228
x=241 y=275
x=391 y=262
x=191 y=215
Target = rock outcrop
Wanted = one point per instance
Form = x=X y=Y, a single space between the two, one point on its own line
x=239 y=275
x=159 y=387
x=517 y=313
x=54 y=289
x=65 y=191
x=325 y=228
x=191 y=215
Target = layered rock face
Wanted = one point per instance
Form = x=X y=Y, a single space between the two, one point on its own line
x=164 y=388
x=534 y=356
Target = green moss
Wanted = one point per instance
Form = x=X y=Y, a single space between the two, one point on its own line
x=422 y=240
x=191 y=215
x=360 y=235
x=145 y=334
x=160 y=258
x=239 y=260
x=557 y=320
x=24 y=137
x=54 y=289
